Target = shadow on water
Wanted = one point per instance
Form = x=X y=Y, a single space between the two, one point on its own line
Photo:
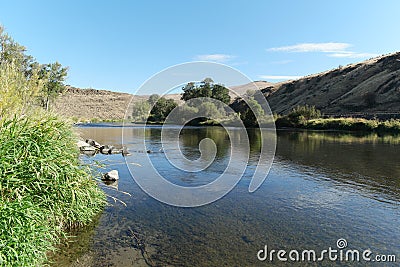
x=322 y=187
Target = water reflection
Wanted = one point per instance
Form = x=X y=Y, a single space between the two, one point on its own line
x=322 y=186
x=369 y=162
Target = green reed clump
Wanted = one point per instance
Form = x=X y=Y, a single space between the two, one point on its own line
x=24 y=238
x=43 y=187
x=345 y=124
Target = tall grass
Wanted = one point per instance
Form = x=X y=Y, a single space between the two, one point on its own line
x=43 y=187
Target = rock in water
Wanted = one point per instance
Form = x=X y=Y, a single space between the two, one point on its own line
x=88 y=148
x=93 y=143
x=111 y=176
x=125 y=151
x=80 y=144
x=83 y=146
x=106 y=149
x=112 y=184
x=115 y=151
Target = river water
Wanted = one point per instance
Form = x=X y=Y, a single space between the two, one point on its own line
x=323 y=186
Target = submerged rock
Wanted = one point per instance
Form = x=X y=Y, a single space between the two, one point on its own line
x=111 y=176
x=112 y=184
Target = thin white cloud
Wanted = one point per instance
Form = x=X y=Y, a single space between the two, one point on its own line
x=282 y=62
x=214 y=57
x=332 y=49
x=349 y=54
x=280 y=77
x=312 y=47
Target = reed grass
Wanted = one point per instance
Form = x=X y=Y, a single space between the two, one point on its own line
x=44 y=188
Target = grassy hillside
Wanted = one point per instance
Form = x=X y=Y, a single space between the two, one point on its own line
x=92 y=104
x=369 y=87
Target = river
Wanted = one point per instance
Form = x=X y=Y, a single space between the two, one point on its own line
x=323 y=186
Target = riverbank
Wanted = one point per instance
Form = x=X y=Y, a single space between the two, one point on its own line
x=342 y=124
x=391 y=126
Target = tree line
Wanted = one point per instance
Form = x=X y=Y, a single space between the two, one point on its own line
x=197 y=101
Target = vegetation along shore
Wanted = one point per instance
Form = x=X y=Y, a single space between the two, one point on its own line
x=44 y=188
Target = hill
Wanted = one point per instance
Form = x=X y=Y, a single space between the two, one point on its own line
x=93 y=104
x=242 y=89
x=371 y=87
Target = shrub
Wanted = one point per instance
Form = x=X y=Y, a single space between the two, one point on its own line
x=16 y=92
x=304 y=113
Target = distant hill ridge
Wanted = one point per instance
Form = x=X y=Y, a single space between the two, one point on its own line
x=367 y=88
x=371 y=86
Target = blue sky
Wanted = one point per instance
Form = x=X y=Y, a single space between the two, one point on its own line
x=117 y=45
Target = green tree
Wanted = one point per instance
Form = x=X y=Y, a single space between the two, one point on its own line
x=153 y=99
x=13 y=53
x=209 y=109
x=207 y=88
x=141 y=110
x=189 y=91
x=221 y=93
x=53 y=75
x=251 y=115
x=207 y=80
x=49 y=77
x=184 y=114
x=162 y=108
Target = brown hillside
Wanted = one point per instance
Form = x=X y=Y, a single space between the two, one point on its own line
x=242 y=89
x=369 y=87
x=88 y=104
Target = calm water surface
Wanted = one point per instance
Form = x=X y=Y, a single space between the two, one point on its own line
x=322 y=187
